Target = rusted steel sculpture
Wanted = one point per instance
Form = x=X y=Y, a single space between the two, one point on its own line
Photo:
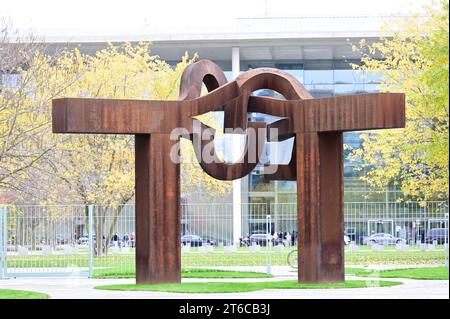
x=316 y=163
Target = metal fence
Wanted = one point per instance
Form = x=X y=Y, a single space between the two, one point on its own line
x=99 y=241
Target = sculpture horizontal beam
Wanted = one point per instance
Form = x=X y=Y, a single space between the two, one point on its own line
x=117 y=116
x=341 y=113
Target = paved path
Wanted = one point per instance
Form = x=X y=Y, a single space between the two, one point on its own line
x=82 y=288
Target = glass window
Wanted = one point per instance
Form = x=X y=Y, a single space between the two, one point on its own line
x=259 y=184
x=231 y=146
x=265 y=155
x=295 y=69
x=348 y=89
x=320 y=65
x=372 y=88
x=260 y=64
x=373 y=77
x=319 y=77
x=280 y=152
x=289 y=66
x=228 y=75
x=260 y=207
x=298 y=74
x=348 y=76
x=268 y=92
x=287 y=186
x=350 y=171
x=319 y=91
x=353 y=139
x=262 y=117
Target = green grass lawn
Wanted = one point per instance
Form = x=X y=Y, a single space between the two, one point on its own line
x=130 y=272
x=368 y=258
x=357 y=271
x=217 y=259
x=185 y=273
x=21 y=294
x=227 y=287
x=424 y=273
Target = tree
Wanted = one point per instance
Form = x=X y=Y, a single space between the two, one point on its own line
x=24 y=122
x=36 y=165
x=414 y=60
x=99 y=169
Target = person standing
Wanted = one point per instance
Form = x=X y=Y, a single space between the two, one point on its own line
x=294 y=237
x=288 y=239
x=125 y=240
x=133 y=239
x=115 y=239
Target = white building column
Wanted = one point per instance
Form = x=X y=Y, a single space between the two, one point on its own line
x=235 y=61
x=237 y=198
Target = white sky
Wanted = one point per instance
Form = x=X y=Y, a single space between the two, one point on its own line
x=101 y=17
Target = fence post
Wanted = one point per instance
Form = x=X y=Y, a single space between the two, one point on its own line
x=3 y=241
x=91 y=239
x=446 y=240
x=269 y=244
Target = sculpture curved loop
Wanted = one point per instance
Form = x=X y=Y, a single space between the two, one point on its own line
x=273 y=79
x=215 y=167
x=235 y=114
x=291 y=89
x=209 y=73
x=203 y=71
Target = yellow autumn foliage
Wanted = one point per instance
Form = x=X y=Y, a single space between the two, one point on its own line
x=100 y=168
x=414 y=61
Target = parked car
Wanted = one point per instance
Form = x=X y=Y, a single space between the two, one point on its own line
x=383 y=239
x=83 y=240
x=261 y=239
x=61 y=240
x=193 y=240
x=209 y=241
x=437 y=234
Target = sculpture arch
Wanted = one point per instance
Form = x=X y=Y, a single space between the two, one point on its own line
x=317 y=165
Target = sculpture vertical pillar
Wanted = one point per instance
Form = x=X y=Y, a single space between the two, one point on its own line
x=320 y=207
x=237 y=183
x=158 y=252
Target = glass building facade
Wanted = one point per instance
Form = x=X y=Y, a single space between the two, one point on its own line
x=261 y=197
x=321 y=79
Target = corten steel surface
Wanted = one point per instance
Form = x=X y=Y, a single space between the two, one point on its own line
x=316 y=163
